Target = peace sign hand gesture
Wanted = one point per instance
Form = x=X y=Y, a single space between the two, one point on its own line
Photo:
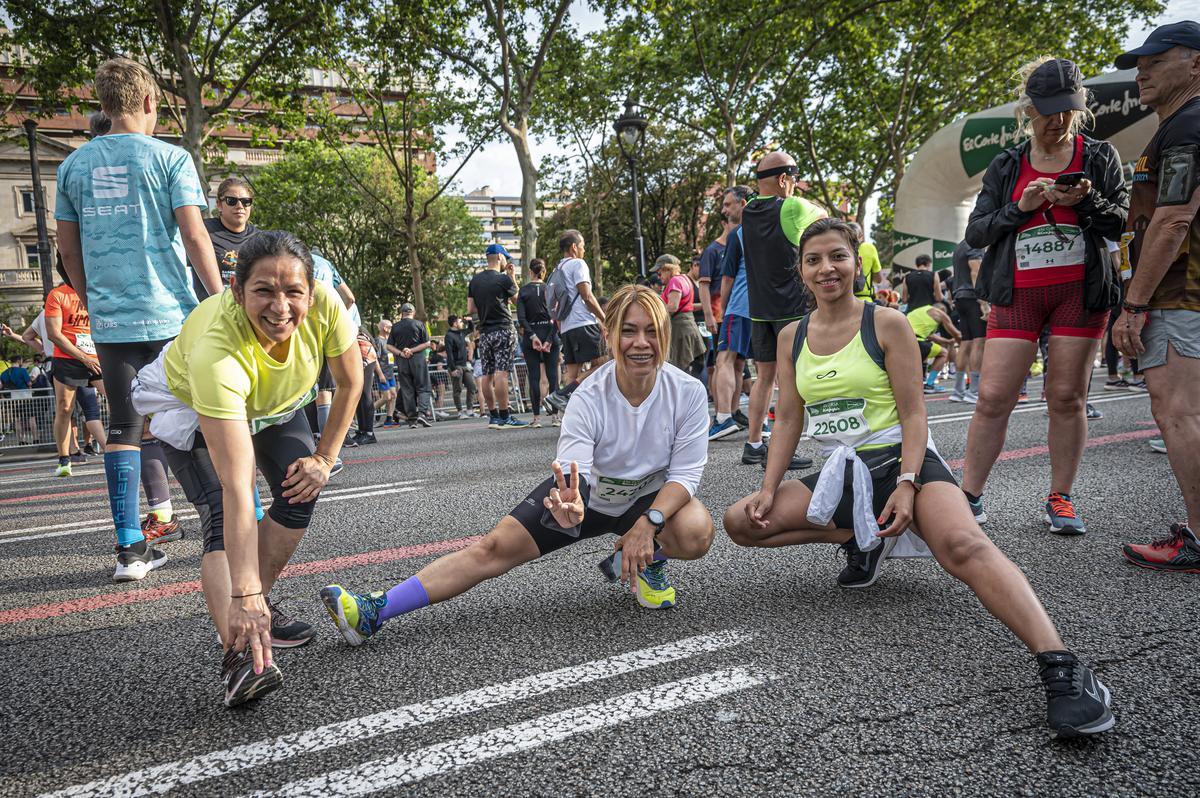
x=565 y=502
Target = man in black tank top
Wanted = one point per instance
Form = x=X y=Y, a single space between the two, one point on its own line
x=921 y=286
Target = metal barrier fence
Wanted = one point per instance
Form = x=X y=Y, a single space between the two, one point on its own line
x=27 y=417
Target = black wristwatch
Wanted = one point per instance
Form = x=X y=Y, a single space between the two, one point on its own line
x=657 y=519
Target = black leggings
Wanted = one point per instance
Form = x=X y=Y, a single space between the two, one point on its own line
x=120 y=363
x=535 y=362
x=275 y=449
x=366 y=407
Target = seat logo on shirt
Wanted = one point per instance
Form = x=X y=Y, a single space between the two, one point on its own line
x=110 y=182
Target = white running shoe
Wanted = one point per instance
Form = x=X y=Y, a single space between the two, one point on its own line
x=132 y=566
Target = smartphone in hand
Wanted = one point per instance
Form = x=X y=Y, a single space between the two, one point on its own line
x=1069 y=179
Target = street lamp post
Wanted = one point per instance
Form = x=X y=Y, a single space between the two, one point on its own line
x=39 y=210
x=631 y=135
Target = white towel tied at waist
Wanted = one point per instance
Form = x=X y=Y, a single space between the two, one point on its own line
x=171 y=421
x=831 y=485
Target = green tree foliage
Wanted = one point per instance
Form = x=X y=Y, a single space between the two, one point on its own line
x=307 y=192
x=218 y=62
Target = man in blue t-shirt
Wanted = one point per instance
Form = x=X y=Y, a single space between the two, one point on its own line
x=129 y=218
x=733 y=343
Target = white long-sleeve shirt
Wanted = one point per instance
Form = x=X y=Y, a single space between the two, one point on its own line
x=626 y=452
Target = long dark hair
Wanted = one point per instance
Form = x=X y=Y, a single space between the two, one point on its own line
x=272 y=244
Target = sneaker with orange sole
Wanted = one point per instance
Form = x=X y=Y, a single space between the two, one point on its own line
x=1179 y=551
x=160 y=531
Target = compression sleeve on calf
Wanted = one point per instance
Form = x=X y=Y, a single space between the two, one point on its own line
x=405 y=597
x=121 y=469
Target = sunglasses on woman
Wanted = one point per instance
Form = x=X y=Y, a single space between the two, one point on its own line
x=246 y=202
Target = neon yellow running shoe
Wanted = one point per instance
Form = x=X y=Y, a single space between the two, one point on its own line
x=63 y=470
x=356 y=616
x=654 y=590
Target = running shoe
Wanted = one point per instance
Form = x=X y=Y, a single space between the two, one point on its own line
x=63 y=470
x=356 y=616
x=556 y=401
x=1023 y=398
x=287 y=632
x=721 y=429
x=976 y=506
x=536 y=423
x=751 y=455
x=512 y=422
x=78 y=458
x=156 y=531
x=242 y=684
x=934 y=388
x=1179 y=551
x=1158 y=445
x=493 y=421
x=366 y=438
x=412 y=425
x=388 y=423
x=1060 y=515
x=463 y=414
x=91 y=448
x=1092 y=413
x=1077 y=703
x=741 y=418
x=771 y=413
x=863 y=567
x=1138 y=385
x=350 y=442
x=134 y=562
x=1119 y=384
x=424 y=422
x=338 y=467
x=654 y=590
x=766 y=431
x=556 y=421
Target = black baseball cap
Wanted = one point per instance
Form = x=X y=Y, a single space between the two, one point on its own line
x=1163 y=38
x=1056 y=86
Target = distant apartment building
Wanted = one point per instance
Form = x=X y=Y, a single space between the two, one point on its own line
x=500 y=220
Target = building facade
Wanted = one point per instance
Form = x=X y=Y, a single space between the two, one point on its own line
x=500 y=221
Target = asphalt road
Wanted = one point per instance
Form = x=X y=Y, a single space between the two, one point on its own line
x=766 y=679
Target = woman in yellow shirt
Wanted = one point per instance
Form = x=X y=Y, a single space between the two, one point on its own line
x=226 y=397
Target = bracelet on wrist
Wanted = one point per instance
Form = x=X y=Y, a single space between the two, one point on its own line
x=1134 y=309
x=247 y=595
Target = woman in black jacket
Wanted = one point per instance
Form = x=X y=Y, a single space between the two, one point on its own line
x=1045 y=209
x=539 y=340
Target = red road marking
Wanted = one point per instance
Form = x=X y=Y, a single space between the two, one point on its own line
x=107 y=600
x=89 y=492
x=1034 y=451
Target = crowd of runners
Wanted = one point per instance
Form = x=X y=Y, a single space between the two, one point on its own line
x=225 y=351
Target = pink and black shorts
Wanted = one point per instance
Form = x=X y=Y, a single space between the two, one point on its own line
x=1060 y=306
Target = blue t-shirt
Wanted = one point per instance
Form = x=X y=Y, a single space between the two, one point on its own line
x=710 y=267
x=734 y=265
x=122 y=190
x=15 y=378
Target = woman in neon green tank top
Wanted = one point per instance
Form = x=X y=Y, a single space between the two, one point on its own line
x=856 y=369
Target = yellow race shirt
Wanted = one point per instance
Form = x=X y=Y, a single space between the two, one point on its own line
x=870 y=267
x=217 y=367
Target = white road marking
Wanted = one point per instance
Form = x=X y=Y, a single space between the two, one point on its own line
x=100 y=524
x=1032 y=407
x=394 y=771
x=171 y=775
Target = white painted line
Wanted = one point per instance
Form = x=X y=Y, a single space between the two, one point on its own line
x=407 y=768
x=171 y=775
x=96 y=525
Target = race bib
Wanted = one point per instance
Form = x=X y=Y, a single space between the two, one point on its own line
x=837 y=421
x=612 y=490
x=1039 y=248
x=84 y=342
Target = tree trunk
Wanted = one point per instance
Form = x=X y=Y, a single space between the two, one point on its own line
x=598 y=262
x=529 y=176
x=195 y=120
x=414 y=267
x=730 y=158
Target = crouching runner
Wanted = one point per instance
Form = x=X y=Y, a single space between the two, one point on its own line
x=856 y=369
x=225 y=397
x=632 y=449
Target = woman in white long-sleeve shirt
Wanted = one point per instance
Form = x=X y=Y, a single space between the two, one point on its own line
x=634 y=443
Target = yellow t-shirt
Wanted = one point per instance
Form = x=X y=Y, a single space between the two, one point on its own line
x=217 y=367
x=870 y=267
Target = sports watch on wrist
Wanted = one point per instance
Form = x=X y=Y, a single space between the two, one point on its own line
x=909 y=477
x=657 y=519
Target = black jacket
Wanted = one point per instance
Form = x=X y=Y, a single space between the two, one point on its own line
x=456 y=349
x=1102 y=213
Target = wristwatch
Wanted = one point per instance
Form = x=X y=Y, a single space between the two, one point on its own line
x=909 y=477
x=657 y=519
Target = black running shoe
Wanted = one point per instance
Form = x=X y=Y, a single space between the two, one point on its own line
x=242 y=684
x=287 y=632
x=365 y=438
x=134 y=562
x=741 y=418
x=751 y=455
x=1077 y=703
x=351 y=442
x=863 y=567
x=556 y=401
x=424 y=422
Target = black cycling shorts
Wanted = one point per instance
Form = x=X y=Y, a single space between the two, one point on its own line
x=275 y=449
x=970 y=319
x=120 y=363
x=885 y=468
x=530 y=512
x=325 y=379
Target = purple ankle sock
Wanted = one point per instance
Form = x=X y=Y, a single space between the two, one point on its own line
x=659 y=556
x=405 y=597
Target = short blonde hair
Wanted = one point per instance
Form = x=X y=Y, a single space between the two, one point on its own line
x=121 y=84
x=1025 y=110
x=618 y=309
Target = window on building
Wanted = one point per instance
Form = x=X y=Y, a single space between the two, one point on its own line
x=27 y=200
x=31 y=256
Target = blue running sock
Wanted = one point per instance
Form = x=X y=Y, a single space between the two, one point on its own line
x=405 y=597
x=122 y=470
x=932 y=378
x=258 y=510
x=322 y=417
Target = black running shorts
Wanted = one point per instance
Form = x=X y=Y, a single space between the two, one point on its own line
x=120 y=364
x=531 y=510
x=885 y=468
x=582 y=344
x=970 y=319
x=72 y=373
x=764 y=337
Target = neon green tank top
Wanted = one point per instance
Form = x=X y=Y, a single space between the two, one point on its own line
x=922 y=323
x=847 y=395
